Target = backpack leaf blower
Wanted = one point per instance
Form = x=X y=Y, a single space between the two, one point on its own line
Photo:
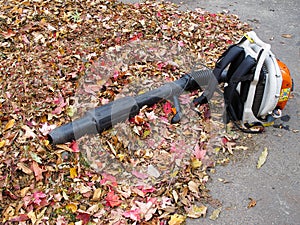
x=256 y=89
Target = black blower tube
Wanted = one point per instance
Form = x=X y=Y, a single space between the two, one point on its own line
x=104 y=117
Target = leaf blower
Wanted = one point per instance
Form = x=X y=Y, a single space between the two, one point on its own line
x=256 y=89
x=257 y=85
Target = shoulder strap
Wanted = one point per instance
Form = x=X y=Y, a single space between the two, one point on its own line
x=230 y=55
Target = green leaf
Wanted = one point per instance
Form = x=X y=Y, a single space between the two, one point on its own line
x=35 y=157
x=71 y=110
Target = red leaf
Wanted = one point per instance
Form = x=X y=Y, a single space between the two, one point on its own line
x=74 y=146
x=134 y=214
x=146 y=189
x=9 y=33
x=38 y=196
x=224 y=140
x=108 y=179
x=38 y=172
x=84 y=217
x=167 y=108
x=199 y=152
x=139 y=174
x=112 y=200
x=19 y=218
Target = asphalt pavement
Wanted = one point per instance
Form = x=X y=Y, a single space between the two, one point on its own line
x=275 y=187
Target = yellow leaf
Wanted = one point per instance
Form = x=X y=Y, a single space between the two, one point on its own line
x=10 y=124
x=32 y=216
x=46 y=142
x=2 y=143
x=176 y=219
x=196 y=163
x=43 y=119
x=215 y=214
x=262 y=158
x=24 y=191
x=73 y=172
x=72 y=207
x=196 y=212
x=121 y=157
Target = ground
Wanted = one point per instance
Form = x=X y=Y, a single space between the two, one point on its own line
x=276 y=186
x=59 y=42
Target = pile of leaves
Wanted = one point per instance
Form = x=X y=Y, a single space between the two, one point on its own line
x=145 y=170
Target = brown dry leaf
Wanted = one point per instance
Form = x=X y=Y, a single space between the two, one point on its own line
x=24 y=191
x=24 y=168
x=252 y=203
x=175 y=196
x=193 y=187
x=287 y=35
x=97 y=194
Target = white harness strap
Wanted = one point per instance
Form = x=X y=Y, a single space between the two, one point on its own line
x=259 y=50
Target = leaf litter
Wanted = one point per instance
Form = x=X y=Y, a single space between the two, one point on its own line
x=147 y=171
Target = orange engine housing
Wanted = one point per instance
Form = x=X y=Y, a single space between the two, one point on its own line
x=287 y=85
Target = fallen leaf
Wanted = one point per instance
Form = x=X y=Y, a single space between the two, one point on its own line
x=73 y=172
x=74 y=146
x=8 y=34
x=199 y=152
x=152 y=171
x=287 y=35
x=112 y=199
x=252 y=203
x=193 y=187
x=32 y=216
x=167 y=107
x=175 y=196
x=197 y=211
x=19 y=218
x=38 y=172
x=84 y=217
x=46 y=128
x=262 y=158
x=97 y=194
x=2 y=143
x=9 y=124
x=24 y=168
x=38 y=196
x=28 y=132
x=140 y=175
x=72 y=207
x=147 y=209
x=134 y=214
x=215 y=214
x=196 y=163
x=35 y=157
x=176 y=219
